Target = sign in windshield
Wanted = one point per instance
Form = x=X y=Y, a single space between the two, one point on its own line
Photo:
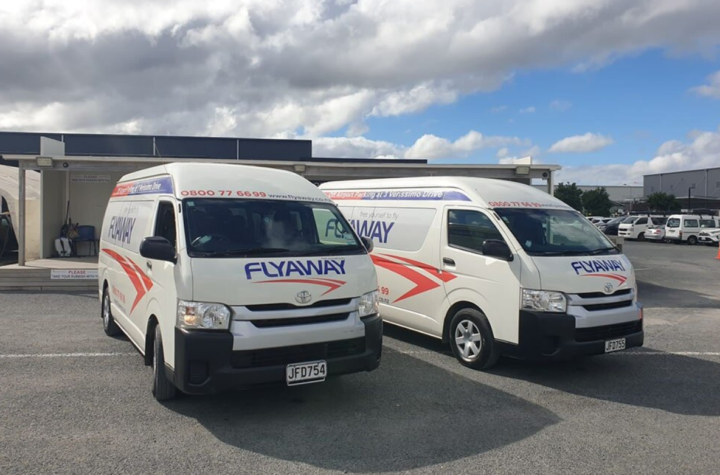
x=240 y=227
x=555 y=232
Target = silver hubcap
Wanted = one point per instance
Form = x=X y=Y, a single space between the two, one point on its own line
x=468 y=339
x=106 y=310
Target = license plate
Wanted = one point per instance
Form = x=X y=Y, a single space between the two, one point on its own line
x=614 y=345
x=306 y=373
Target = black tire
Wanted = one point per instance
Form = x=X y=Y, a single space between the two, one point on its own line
x=472 y=327
x=641 y=237
x=111 y=328
x=692 y=240
x=163 y=389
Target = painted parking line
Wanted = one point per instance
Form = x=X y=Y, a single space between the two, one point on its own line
x=65 y=355
x=404 y=352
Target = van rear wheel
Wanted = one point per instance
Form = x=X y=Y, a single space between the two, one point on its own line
x=111 y=328
x=692 y=240
x=472 y=339
x=163 y=389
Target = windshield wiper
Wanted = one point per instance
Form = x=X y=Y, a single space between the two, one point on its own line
x=558 y=253
x=603 y=250
x=332 y=250
x=253 y=251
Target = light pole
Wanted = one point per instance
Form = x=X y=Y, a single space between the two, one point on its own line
x=690 y=198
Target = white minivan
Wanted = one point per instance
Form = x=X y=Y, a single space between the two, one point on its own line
x=635 y=227
x=223 y=276
x=687 y=227
x=493 y=267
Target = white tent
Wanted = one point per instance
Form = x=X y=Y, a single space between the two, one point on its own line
x=9 y=191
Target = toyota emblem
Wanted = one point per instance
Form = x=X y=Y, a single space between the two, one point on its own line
x=303 y=297
x=608 y=288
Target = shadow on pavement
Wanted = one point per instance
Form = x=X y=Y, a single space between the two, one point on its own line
x=653 y=296
x=642 y=378
x=405 y=415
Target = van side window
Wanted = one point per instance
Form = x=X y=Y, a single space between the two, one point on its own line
x=691 y=223
x=165 y=222
x=642 y=221
x=707 y=223
x=469 y=229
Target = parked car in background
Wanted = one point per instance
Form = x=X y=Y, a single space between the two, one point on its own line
x=710 y=236
x=687 y=227
x=635 y=227
x=611 y=227
x=656 y=234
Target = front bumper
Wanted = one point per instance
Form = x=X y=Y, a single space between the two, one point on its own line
x=709 y=239
x=552 y=336
x=205 y=362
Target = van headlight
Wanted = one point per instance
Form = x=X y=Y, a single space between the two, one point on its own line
x=544 y=301
x=203 y=316
x=368 y=304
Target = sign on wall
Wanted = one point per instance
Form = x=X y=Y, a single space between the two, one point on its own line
x=89 y=178
x=73 y=274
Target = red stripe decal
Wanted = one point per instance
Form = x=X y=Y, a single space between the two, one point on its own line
x=433 y=271
x=609 y=276
x=422 y=283
x=130 y=271
x=146 y=280
x=333 y=285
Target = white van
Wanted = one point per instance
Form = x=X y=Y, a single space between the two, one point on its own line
x=493 y=267
x=687 y=227
x=635 y=227
x=224 y=276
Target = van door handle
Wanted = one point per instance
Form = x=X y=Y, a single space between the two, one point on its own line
x=448 y=262
x=148 y=264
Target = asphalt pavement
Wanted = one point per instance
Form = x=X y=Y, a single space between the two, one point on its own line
x=75 y=401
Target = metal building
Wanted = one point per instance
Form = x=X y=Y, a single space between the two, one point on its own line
x=694 y=188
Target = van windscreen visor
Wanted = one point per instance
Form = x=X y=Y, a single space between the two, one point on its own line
x=555 y=232
x=244 y=227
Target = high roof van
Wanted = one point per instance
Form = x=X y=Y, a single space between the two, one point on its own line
x=687 y=227
x=224 y=276
x=494 y=268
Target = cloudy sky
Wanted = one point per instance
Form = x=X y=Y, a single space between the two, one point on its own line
x=610 y=89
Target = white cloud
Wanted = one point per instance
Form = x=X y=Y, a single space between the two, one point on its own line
x=431 y=147
x=528 y=110
x=267 y=68
x=586 y=143
x=560 y=105
x=498 y=109
x=503 y=152
x=355 y=147
x=703 y=151
x=712 y=89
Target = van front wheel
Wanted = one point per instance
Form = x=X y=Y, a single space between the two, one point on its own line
x=163 y=388
x=472 y=339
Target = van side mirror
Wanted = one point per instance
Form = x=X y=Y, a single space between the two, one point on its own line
x=498 y=249
x=158 y=248
x=368 y=243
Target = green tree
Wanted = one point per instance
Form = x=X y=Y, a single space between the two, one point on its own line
x=597 y=202
x=663 y=202
x=570 y=194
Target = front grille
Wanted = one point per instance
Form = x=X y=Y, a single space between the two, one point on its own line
x=270 y=307
x=599 y=295
x=297 y=354
x=607 y=306
x=607 y=332
x=286 y=322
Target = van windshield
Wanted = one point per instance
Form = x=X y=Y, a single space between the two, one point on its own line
x=550 y=232
x=239 y=228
